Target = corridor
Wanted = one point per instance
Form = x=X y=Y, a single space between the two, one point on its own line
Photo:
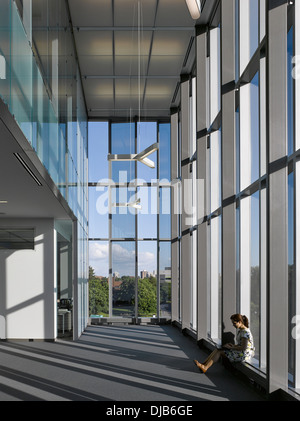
x=116 y=363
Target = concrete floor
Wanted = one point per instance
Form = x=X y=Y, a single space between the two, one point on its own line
x=115 y=364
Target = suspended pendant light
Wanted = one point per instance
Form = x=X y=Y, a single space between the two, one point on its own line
x=136 y=204
x=141 y=156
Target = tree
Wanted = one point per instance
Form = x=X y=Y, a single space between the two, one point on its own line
x=147 y=297
x=98 y=294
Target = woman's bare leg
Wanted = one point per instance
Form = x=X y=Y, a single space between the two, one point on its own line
x=213 y=358
x=210 y=356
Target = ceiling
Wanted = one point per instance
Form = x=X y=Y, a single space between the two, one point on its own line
x=128 y=69
x=131 y=54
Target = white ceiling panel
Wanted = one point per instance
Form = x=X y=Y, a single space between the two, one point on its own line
x=126 y=12
x=131 y=66
x=96 y=87
x=101 y=102
x=165 y=65
x=173 y=13
x=129 y=43
x=161 y=87
x=129 y=87
x=91 y=12
x=171 y=43
x=115 y=44
x=94 y=42
x=96 y=65
x=131 y=105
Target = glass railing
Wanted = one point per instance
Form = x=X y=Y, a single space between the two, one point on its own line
x=38 y=105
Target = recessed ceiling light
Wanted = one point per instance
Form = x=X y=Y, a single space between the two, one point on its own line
x=3 y=202
x=21 y=160
x=194 y=7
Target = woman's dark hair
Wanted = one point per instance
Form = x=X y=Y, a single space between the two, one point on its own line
x=239 y=318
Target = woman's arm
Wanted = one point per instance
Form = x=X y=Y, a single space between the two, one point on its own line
x=242 y=346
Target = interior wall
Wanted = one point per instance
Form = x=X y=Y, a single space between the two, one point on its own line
x=28 y=284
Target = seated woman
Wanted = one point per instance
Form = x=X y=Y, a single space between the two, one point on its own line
x=242 y=351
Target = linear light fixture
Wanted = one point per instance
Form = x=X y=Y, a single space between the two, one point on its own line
x=194 y=7
x=21 y=160
x=136 y=204
x=141 y=157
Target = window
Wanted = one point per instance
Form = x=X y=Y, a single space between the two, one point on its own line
x=17 y=238
x=248 y=11
x=249 y=132
x=290 y=91
x=291 y=275
x=129 y=210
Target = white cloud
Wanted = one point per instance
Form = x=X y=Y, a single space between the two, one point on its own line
x=98 y=257
x=98 y=250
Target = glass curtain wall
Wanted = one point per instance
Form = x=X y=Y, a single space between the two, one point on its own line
x=293 y=198
x=41 y=85
x=130 y=228
x=251 y=172
x=262 y=169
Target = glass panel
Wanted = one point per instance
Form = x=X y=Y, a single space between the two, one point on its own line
x=123 y=216
x=165 y=213
x=21 y=75
x=263 y=117
x=255 y=273
x=238 y=279
x=291 y=274
x=42 y=89
x=263 y=278
x=165 y=278
x=215 y=73
x=237 y=40
x=290 y=91
x=147 y=282
x=194 y=280
x=123 y=142
x=123 y=279
x=296 y=315
x=17 y=239
x=193 y=122
x=254 y=116
x=249 y=35
x=215 y=279
x=64 y=278
x=147 y=216
x=237 y=147
x=250 y=284
x=98 y=278
x=215 y=168
x=98 y=212
x=164 y=152
x=5 y=51
x=98 y=150
x=249 y=132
